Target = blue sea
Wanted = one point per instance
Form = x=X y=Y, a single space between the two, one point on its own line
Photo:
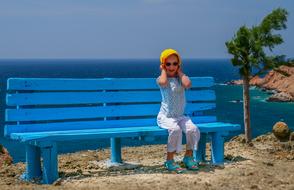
x=229 y=105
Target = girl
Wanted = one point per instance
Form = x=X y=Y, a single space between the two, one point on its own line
x=172 y=83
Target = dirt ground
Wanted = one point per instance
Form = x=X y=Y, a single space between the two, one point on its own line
x=264 y=164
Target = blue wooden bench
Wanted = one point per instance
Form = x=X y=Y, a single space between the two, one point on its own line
x=43 y=111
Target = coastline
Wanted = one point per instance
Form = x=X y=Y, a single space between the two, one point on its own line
x=265 y=164
x=279 y=86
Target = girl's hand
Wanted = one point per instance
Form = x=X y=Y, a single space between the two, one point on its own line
x=162 y=67
x=185 y=79
x=180 y=72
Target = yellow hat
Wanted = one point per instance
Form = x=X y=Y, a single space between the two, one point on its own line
x=168 y=52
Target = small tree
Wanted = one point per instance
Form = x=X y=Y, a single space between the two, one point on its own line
x=248 y=49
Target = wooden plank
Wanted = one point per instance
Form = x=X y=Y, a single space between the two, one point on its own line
x=218 y=127
x=114 y=132
x=43 y=114
x=63 y=98
x=85 y=134
x=8 y=129
x=63 y=84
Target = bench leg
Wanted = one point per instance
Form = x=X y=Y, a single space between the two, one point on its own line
x=115 y=150
x=217 y=148
x=50 y=163
x=200 y=153
x=33 y=163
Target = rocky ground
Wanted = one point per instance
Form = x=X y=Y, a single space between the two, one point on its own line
x=266 y=163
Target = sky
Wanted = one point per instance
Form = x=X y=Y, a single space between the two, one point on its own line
x=130 y=29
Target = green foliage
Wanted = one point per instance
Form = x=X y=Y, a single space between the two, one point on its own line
x=248 y=45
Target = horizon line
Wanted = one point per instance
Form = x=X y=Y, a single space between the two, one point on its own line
x=90 y=58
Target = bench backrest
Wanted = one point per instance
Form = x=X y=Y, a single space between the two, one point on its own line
x=50 y=104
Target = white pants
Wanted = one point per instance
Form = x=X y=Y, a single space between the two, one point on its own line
x=175 y=128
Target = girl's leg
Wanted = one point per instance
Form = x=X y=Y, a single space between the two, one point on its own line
x=170 y=155
x=174 y=143
x=188 y=152
x=192 y=135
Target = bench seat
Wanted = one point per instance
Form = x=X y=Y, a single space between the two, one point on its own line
x=43 y=111
x=86 y=134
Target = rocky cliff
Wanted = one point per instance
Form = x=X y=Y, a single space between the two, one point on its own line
x=281 y=85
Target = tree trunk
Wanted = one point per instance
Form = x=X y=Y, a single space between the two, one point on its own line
x=246 y=108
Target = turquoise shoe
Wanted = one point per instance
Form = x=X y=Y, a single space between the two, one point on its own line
x=190 y=163
x=172 y=166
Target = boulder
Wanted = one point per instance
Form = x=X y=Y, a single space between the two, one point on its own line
x=5 y=158
x=235 y=82
x=280 y=97
x=281 y=131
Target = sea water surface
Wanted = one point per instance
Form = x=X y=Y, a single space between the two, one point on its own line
x=229 y=98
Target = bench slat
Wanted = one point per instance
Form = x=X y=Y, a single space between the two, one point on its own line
x=41 y=114
x=113 y=132
x=63 y=84
x=86 y=134
x=63 y=98
x=8 y=129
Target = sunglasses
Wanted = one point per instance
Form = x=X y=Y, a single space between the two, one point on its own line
x=169 y=64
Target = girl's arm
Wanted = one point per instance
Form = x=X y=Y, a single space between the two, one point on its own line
x=162 y=80
x=186 y=82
